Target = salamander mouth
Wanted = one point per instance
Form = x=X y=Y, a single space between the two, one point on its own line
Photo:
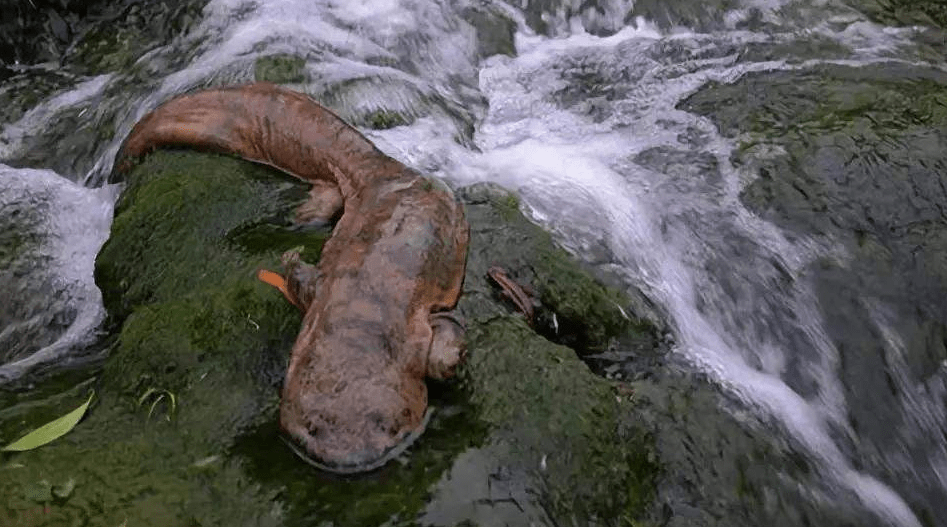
x=355 y=468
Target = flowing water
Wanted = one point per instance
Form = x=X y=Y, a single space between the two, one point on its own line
x=578 y=107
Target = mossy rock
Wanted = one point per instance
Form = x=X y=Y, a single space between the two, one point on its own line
x=193 y=326
x=589 y=317
x=223 y=237
x=280 y=69
x=384 y=119
x=854 y=158
x=116 y=35
x=562 y=423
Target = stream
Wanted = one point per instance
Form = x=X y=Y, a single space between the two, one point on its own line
x=697 y=150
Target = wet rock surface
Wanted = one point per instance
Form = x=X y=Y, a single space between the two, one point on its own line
x=186 y=408
x=48 y=47
x=93 y=37
x=857 y=155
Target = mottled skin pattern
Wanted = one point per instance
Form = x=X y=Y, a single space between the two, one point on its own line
x=376 y=321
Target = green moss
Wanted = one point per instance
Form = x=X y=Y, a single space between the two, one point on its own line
x=232 y=329
x=107 y=49
x=584 y=307
x=587 y=314
x=384 y=119
x=177 y=273
x=509 y=206
x=204 y=223
x=280 y=69
x=116 y=38
x=547 y=402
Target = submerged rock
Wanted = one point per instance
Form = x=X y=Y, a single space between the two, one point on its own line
x=184 y=428
x=904 y=12
x=856 y=156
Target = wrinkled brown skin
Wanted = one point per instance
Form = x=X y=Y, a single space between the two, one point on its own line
x=375 y=321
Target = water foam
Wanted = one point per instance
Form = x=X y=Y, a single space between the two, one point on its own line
x=58 y=281
x=562 y=164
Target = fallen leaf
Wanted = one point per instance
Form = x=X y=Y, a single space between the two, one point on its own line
x=49 y=431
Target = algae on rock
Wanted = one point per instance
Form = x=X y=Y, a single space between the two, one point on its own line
x=191 y=321
x=280 y=69
x=853 y=158
x=564 y=432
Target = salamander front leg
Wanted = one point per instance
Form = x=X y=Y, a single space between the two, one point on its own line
x=448 y=346
x=300 y=282
x=276 y=280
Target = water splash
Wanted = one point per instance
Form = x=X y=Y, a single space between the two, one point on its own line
x=583 y=175
x=53 y=306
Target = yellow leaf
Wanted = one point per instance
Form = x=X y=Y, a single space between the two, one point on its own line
x=49 y=431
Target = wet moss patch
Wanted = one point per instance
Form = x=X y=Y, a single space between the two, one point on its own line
x=204 y=223
x=280 y=69
x=384 y=119
x=853 y=158
x=184 y=429
x=562 y=421
x=575 y=309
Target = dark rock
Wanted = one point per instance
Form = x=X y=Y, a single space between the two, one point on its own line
x=699 y=16
x=495 y=31
x=857 y=155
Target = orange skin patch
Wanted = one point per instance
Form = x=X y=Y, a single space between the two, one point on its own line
x=276 y=280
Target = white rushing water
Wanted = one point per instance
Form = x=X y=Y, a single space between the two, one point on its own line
x=670 y=229
x=572 y=146
x=48 y=280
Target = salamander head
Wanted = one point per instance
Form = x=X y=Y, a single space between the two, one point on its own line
x=355 y=426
